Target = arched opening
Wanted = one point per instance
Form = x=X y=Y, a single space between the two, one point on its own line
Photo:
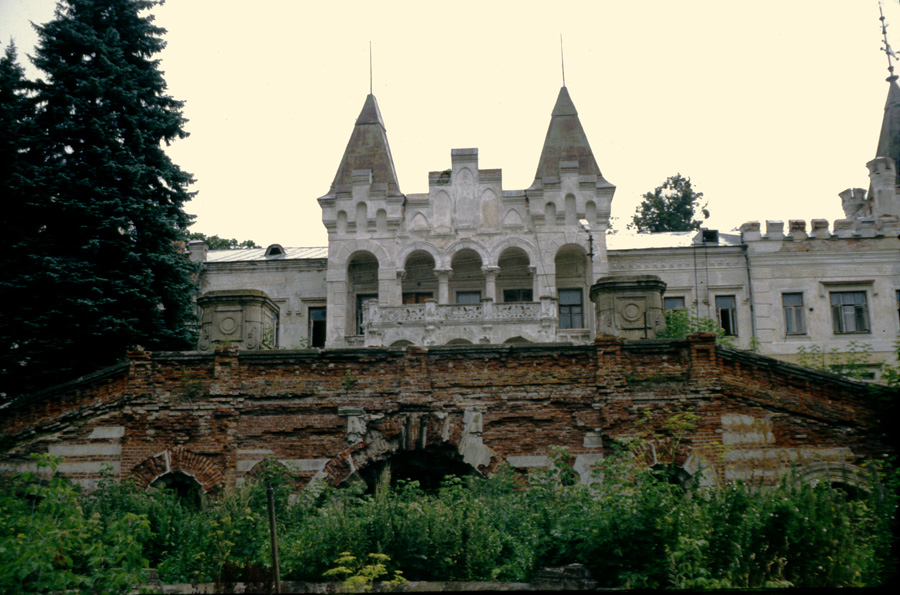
x=186 y=489
x=459 y=342
x=362 y=218
x=467 y=281
x=515 y=282
x=550 y=214
x=429 y=467
x=572 y=286
x=362 y=286
x=673 y=475
x=401 y=343
x=516 y=341
x=420 y=282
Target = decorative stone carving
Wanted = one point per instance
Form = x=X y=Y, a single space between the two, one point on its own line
x=629 y=306
x=244 y=318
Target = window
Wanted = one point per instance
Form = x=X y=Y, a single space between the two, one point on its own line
x=417 y=297
x=898 y=303
x=317 y=327
x=361 y=299
x=792 y=303
x=516 y=295
x=849 y=312
x=726 y=311
x=673 y=303
x=468 y=297
x=571 y=309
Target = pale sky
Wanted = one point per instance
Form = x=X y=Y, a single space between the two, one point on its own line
x=772 y=107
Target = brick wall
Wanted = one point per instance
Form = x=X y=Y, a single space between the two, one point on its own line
x=330 y=414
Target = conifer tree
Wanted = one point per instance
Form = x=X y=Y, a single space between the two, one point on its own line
x=103 y=271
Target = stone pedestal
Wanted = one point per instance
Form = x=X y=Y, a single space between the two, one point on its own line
x=629 y=306
x=245 y=318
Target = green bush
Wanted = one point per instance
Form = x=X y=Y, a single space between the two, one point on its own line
x=631 y=527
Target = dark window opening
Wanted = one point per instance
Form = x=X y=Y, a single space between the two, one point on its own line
x=317 y=326
x=571 y=309
x=673 y=303
x=417 y=297
x=517 y=295
x=468 y=297
x=726 y=311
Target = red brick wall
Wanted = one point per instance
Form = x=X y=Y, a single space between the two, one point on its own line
x=214 y=415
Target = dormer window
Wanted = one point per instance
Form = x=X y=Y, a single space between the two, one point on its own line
x=274 y=251
x=710 y=236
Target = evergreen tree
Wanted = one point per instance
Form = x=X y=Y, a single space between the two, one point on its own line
x=670 y=207
x=103 y=271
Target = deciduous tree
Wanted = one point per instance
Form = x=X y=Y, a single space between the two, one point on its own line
x=670 y=207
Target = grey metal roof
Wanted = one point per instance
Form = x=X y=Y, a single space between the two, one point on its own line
x=249 y=254
x=666 y=239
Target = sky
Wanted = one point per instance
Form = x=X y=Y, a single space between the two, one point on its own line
x=771 y=107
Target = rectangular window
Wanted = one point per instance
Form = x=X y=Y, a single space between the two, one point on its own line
x=468 y=297
x=361 y=299
x=850 y=312
x=516 y=295
x=673 y=303
x=317 y=327
x=898 y=303
x=726 y=311
x=417 y=298
x=792 y=303
x=571 y=309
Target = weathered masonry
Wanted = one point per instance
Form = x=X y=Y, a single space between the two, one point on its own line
x=205 y=420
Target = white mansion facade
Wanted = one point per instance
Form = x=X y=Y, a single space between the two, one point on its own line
x=469 y=262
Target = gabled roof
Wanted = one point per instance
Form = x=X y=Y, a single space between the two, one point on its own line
x=368 y=149
x=565 y=141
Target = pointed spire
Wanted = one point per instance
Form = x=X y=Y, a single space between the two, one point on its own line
x=368 y=149
x=565 y=141
x=889 y=139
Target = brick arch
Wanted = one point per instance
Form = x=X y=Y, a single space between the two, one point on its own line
x=207 y=471
x=835 y=472
x=409 y=432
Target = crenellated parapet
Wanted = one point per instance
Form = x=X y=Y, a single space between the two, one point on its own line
x=868 y=227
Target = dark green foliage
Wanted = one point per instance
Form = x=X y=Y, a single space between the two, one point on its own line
x=670 y=207
x=683 y=322
x=217 y=243
x=634 y=530
x=97 y=269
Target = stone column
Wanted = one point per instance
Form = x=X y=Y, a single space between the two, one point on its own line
x=443 y=276
x=535 y=284
x=490 y=282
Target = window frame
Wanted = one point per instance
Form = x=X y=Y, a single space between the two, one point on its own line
x=567 y=311
x=731 y=328
x=794 y=312
x=310 y=323
x=859 y=312
x=468 y=292
x=666 y=307
x=517 y=293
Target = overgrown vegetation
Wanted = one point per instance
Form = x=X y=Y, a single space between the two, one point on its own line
x=683 y=322
x=636 y=528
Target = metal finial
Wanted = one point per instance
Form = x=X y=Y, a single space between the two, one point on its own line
x=887 y=46
x=370 y=68
x=562 y=59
